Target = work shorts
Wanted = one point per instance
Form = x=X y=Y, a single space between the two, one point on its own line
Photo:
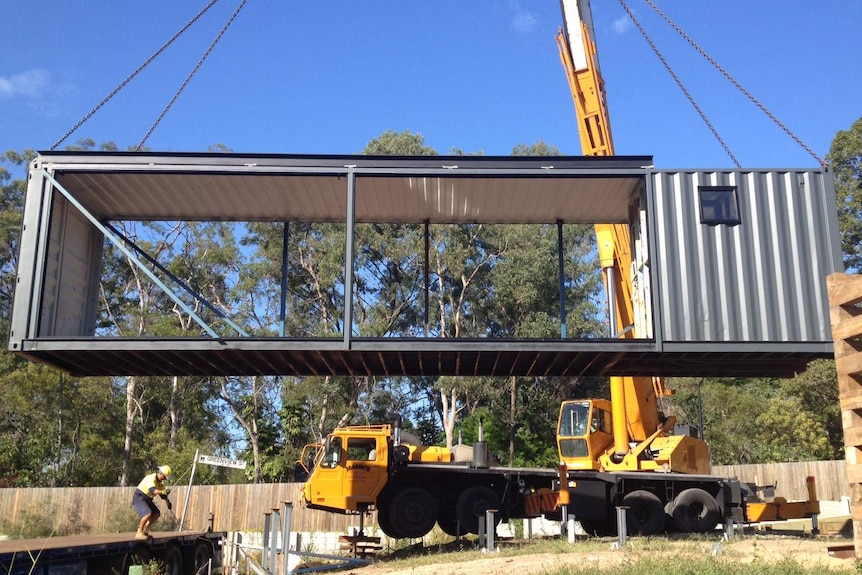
x=144 y=504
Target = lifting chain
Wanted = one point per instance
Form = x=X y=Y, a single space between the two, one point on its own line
x=679 y=83
x=122 y=84
x=191 y=74
x=733 y=81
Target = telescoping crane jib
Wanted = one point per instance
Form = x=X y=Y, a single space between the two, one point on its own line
x=631 y=426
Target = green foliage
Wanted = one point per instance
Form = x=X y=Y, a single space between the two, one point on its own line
x=845 y=155
x=764 y=420
x=539 y=148
x=391 y=143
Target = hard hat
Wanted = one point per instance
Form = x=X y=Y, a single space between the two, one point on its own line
x=166 y=470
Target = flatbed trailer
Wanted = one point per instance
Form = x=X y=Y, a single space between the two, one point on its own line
x=177 y=552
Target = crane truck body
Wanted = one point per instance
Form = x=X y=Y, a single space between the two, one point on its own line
x=412 y=488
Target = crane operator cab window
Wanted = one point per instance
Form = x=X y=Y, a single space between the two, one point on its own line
x=574 y=419
x=579 y=420
x=361 y=449
x=333 y=453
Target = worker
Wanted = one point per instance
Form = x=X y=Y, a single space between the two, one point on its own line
x=142 y=500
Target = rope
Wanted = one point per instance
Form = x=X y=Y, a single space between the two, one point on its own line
x=192 y=73
x=733 y=81
x=135 y=73
x=679 y=83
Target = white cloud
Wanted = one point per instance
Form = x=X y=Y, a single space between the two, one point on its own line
x=523 y=20
x=622 y=25
x=30 y=85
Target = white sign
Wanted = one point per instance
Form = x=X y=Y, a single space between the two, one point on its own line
x=221 y=461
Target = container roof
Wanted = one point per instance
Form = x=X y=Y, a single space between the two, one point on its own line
x=411 y=189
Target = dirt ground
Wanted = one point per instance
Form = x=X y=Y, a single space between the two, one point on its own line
x=806 y=551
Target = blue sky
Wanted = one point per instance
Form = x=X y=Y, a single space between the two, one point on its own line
x=326 y=77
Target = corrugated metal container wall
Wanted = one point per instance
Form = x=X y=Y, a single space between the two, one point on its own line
x=761 y=280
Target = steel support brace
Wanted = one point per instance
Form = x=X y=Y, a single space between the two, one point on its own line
x=348 y=256
x=561 y=261
x=186 y=287
x=129 y=254
x=282 y=316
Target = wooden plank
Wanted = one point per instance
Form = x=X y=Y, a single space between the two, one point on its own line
x=854 y=474
x=852 y=434
x=847 y=328
x=844 y=289
x=850 y=399
x=849 y=364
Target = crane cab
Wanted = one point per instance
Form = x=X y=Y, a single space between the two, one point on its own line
x=584 y=432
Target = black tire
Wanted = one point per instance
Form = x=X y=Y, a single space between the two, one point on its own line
x=413 y=512
x=171 y=560
x=475 y=501
x=140 y=555
x=669 y=525
x=384 y=522
x=695 y=511
x=645 y=513
x=201 y=557
x=449 y=524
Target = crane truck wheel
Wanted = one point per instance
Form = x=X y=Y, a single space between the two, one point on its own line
x=645 y=515
x=384 y=522
x=695 y=511
x=475 y=501
x=668 y=517
x=449 y=525
x=413 y=512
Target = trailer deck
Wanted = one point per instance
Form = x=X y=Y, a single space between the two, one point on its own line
x=110 y=553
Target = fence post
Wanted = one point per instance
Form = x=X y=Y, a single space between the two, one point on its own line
x=267 y=525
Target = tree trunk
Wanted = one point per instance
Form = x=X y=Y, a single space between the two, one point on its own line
x=450 y=413
x=131 y=409
x=173 y=413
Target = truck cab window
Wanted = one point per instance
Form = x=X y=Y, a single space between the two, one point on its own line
x=601 y=421
x=360 y=448
x=573 y=421
x=333 y=453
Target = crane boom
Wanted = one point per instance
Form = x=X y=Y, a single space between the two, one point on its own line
x=637 y=421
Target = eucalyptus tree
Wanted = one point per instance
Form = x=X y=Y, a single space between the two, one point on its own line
x=202 y=256
x=763 y=420
x=845 y=155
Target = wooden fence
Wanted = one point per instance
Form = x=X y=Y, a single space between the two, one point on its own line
x=109 y=510
x=789 y=478
x=242 y=507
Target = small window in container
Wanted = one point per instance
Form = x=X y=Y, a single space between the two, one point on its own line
x=718 y=205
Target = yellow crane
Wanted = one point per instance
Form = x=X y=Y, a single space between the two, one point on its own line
x=629 y=432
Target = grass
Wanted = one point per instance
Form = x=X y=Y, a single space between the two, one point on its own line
x=644 y=556
x=700 y=566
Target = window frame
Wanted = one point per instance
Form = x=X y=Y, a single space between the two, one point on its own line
x=729 y=207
